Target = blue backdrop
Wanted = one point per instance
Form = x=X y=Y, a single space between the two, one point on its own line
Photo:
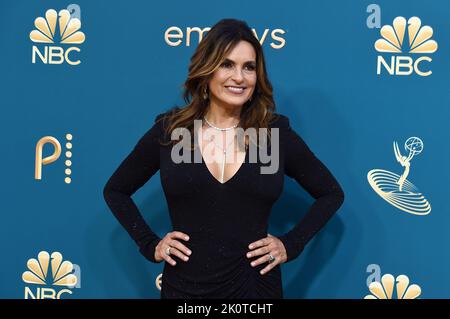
x=323 y=65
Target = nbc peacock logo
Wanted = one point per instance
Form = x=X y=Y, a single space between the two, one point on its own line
x=393 y=41
x=49 y=270
x=385 y=288
x=57 y=27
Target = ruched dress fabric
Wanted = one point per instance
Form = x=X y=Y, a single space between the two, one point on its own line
x=221 y=219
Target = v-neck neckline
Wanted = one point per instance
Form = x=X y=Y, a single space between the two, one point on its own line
x=209 y=172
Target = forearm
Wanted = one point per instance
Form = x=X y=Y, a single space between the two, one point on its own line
x=127 y=213
x=314 y=220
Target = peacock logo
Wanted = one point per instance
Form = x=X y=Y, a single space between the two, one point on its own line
x=57 y=27
x=385 y=288
x=49 y=270
x=419 y=37
x=393 y=40
x=68 y=28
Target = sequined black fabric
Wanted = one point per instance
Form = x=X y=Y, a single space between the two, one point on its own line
x=221 y=219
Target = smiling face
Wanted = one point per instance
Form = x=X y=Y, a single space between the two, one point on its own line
x=234 y=81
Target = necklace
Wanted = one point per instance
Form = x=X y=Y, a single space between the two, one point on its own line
x=224 y=150
x=218 y=128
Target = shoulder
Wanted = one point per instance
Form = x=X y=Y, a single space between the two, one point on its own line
x=279 y=121
x=164 y=118
x=162 y=122
x=286 y=130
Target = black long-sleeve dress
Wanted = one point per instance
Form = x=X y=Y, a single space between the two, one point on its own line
x=221 y=219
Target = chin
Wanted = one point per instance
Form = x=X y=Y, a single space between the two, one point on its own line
x=237 y=101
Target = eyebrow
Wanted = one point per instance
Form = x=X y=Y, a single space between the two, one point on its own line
x=250 y=61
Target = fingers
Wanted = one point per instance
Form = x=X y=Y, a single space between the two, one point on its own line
x=176 y=247
x=175 y=252
x=180 y=247
x=270 y=245
x=261 y=260
x=260 y=251
x=270 y=266
x=169 y=259
x=265 y=260
x=265 y=244
x=259 y=243
x=178 y=234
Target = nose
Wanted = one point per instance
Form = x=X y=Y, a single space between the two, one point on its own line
x=237 y=75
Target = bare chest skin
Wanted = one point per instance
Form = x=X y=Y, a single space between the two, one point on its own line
x=220 y=153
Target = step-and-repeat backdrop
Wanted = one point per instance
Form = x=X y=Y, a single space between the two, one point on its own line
x=365 y=84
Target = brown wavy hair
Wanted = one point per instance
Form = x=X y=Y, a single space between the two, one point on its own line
x=207 y=58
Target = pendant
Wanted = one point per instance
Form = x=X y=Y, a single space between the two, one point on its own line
x=223 y=164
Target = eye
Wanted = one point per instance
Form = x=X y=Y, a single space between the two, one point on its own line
x=226 y=64
x=251 y=67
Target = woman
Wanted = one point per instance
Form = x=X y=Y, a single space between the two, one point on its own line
x=219 y=208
